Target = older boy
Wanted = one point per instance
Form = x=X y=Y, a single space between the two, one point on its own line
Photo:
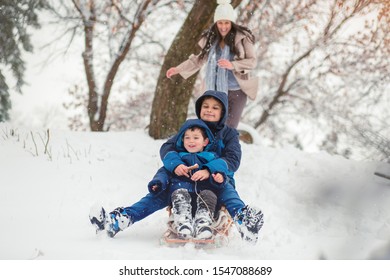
x=212 y=108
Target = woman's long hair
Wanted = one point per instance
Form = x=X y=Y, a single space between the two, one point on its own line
x=212 y=35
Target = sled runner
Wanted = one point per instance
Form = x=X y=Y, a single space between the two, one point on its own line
x=220 y=238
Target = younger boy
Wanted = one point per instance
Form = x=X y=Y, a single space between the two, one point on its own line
x=193 y=194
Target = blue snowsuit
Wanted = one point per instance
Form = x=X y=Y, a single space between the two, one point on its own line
x=166 y=178
x=226 y=145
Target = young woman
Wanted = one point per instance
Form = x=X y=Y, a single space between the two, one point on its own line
x=227 y=50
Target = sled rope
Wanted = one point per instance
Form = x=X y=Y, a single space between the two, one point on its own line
x=190 y=168
x=224 y=230
x=201 y=198
x=196 y=191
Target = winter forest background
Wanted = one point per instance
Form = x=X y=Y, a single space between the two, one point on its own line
x=99 y=65
x=323 y=65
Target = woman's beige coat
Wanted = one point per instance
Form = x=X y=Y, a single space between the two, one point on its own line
x=243 y=65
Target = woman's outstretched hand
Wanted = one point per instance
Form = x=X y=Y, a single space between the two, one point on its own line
x=171 y=71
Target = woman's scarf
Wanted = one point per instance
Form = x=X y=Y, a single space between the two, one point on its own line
x=217 y=77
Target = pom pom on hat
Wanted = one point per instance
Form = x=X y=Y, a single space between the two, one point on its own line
x=224 y=11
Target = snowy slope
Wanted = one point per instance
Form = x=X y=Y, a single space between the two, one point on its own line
x=315 y=205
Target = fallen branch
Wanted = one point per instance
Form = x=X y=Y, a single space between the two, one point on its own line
x=35 y=144
x=382 y=175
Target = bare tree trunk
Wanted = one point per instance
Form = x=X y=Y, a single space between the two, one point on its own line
x=87 y=59
x=170 y=104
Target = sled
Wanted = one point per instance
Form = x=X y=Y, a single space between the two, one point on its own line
x=220 y=238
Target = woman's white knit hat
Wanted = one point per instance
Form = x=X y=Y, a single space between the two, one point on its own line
x=224 y=11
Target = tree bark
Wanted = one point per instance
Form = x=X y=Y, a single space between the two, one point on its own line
x=170 y=104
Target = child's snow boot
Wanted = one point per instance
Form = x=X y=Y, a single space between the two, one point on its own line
x=206 y=203
x=249 y=221
x=182 y=213
x=97 y=217
x=112 y=223
x=118 y=221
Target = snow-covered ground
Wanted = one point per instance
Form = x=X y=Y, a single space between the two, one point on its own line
x=316 y=206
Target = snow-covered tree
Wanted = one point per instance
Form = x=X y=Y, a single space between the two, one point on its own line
x=110 y=29
x=324 y=72
x=15 y=18
x=119 y=21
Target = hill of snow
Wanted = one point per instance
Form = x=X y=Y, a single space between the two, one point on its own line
x=316 y=206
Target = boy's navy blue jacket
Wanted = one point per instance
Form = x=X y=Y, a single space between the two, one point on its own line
x=166 y=178
x=226 y=142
